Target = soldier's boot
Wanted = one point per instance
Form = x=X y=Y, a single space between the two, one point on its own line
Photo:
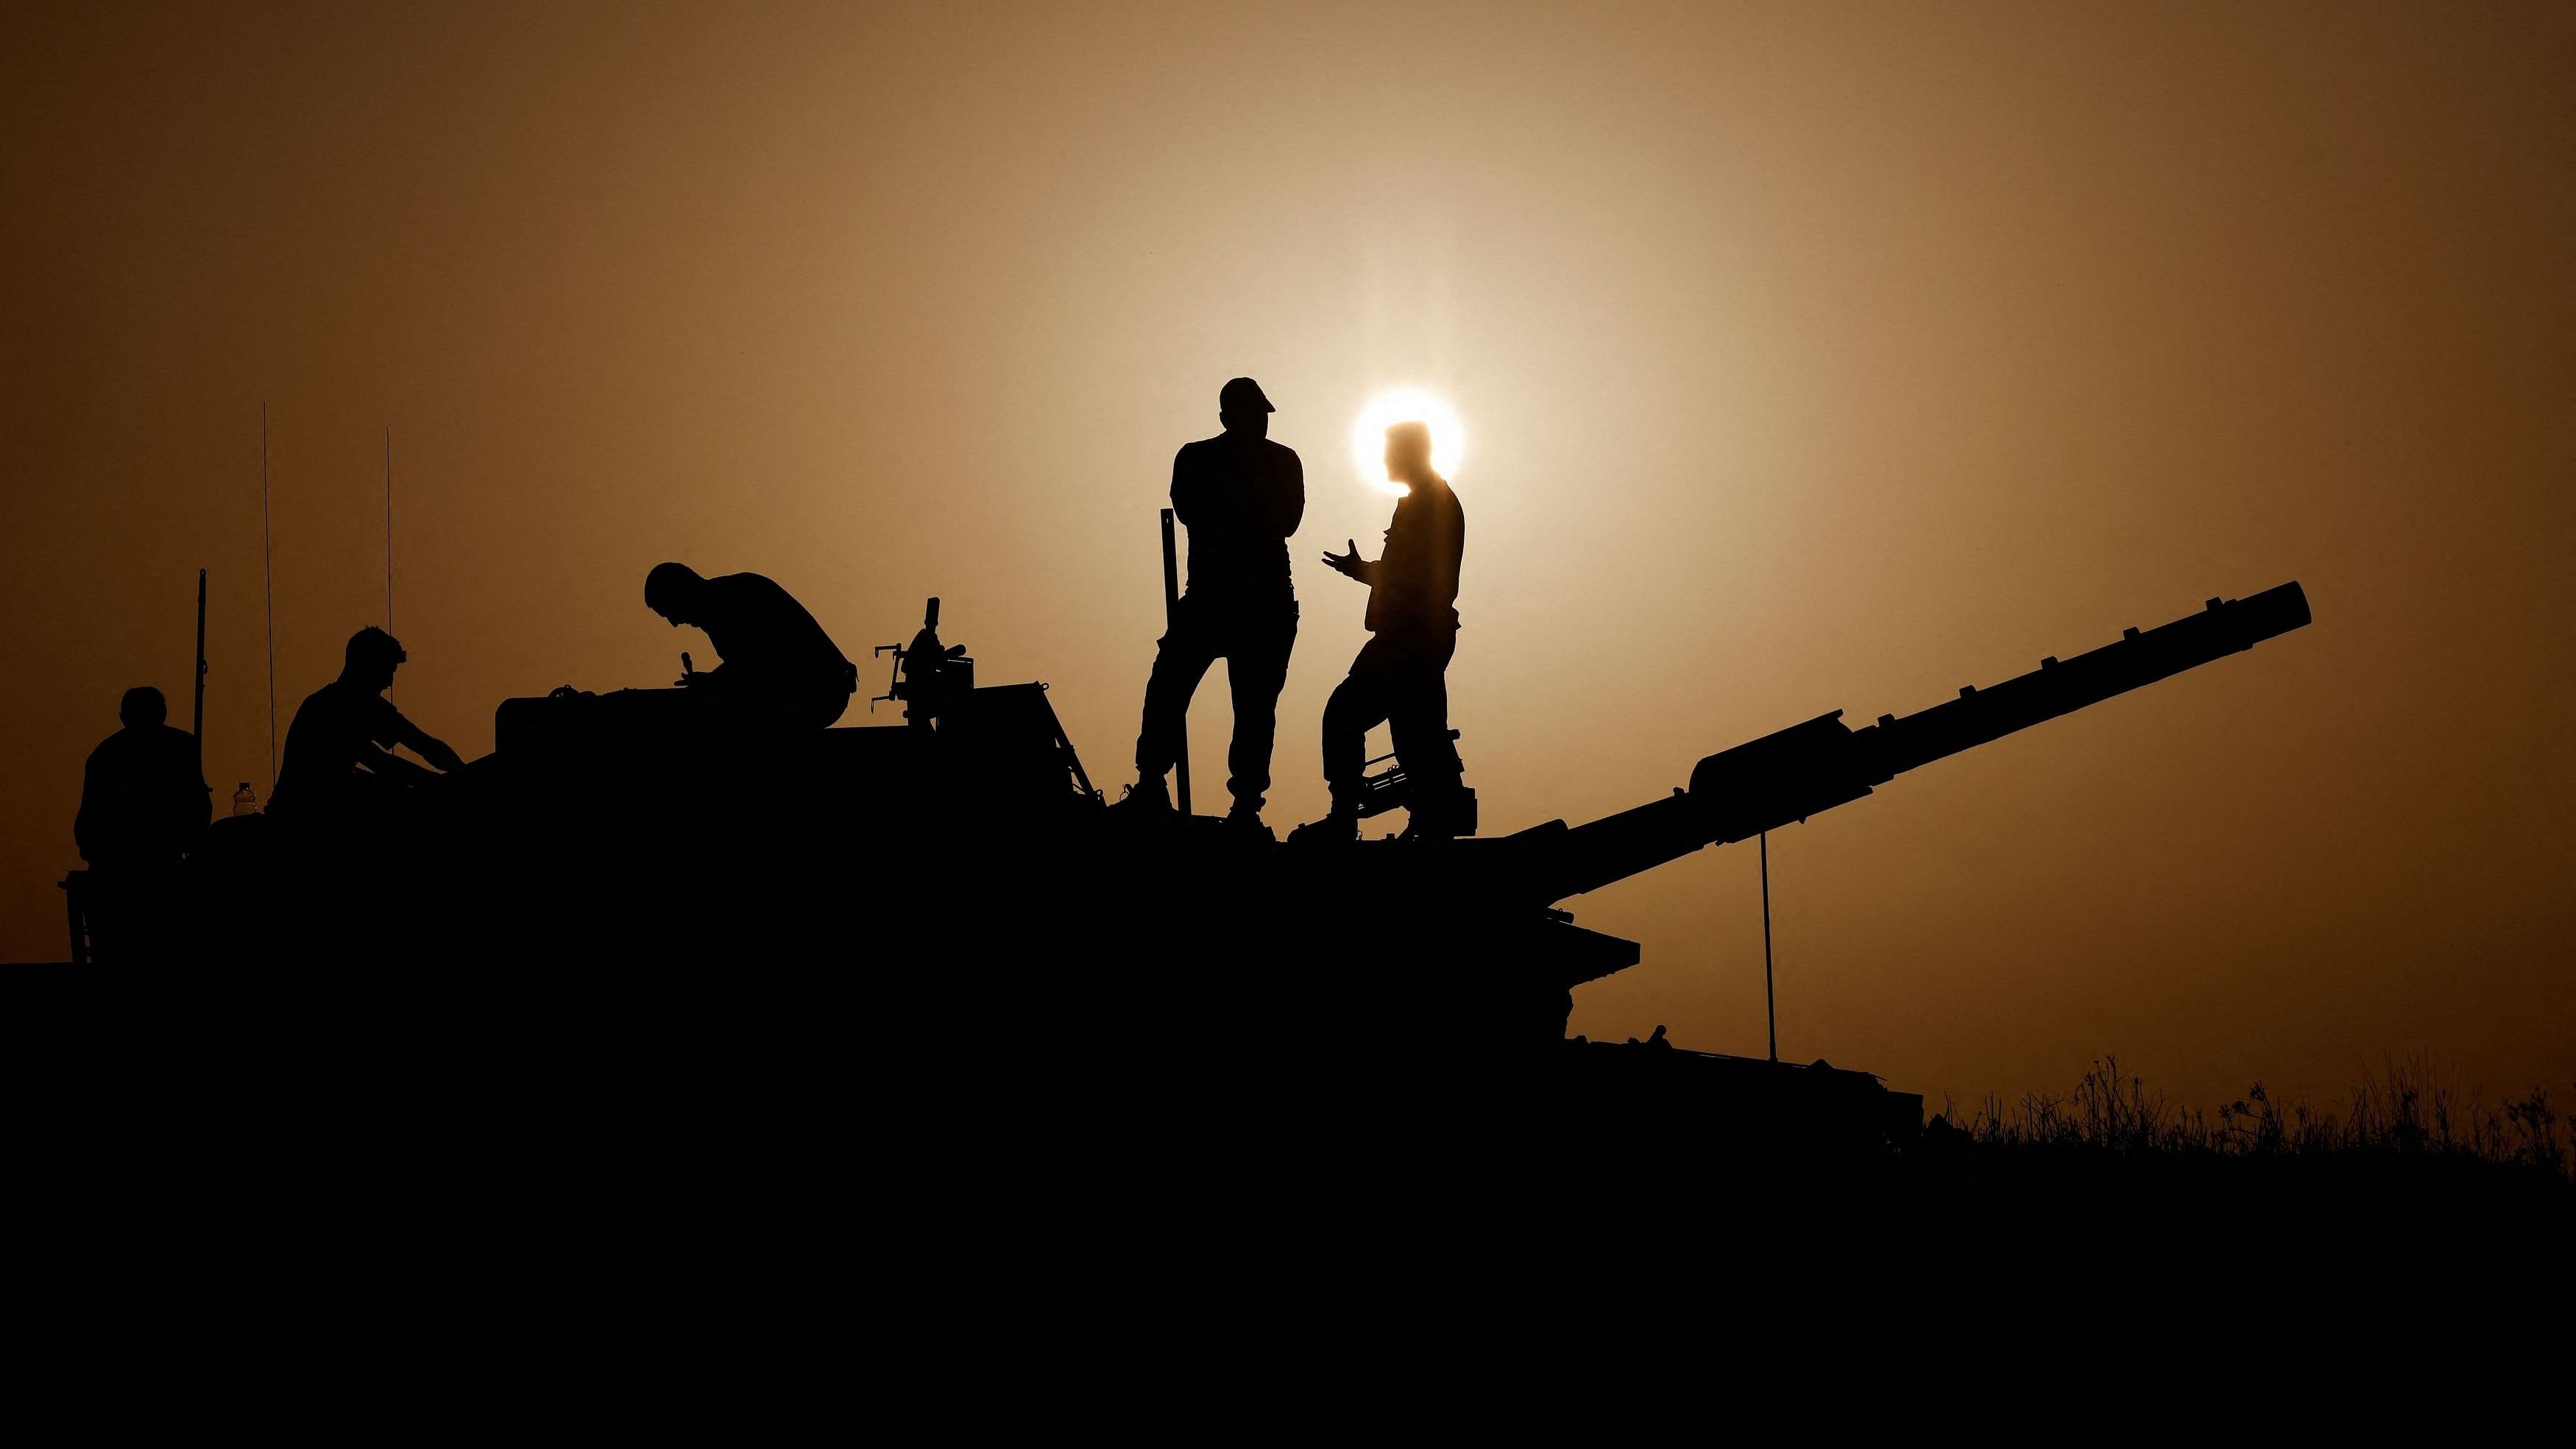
x=1336 y=828
x=1340 y=825
x=1148 y=796
x=1440 y=812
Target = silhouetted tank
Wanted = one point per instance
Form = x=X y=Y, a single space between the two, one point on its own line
x=943 y=911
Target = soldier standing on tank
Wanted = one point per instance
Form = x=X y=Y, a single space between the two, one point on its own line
x=144 y=802
x=1400 y=675
x=1241 y=496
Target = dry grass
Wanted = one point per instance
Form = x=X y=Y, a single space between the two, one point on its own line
x=2406 y=1111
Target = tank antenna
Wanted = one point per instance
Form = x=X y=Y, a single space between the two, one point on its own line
x=1172 y=621
x=389 y=538
x=268 y=588
x=1770 y=1004
x=389 y=530
x=197 y=717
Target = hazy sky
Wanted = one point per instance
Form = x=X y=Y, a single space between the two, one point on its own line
x=1810 y=357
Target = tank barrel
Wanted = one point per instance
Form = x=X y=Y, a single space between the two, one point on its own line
x=1786 y=777
x=2226 y=626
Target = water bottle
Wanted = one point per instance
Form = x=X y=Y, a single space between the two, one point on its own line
x=244 y=802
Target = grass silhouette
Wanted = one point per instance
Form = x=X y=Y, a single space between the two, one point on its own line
x=2406 y=1138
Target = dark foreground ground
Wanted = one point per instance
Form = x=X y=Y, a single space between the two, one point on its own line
x=381 y=1185
x=729 y=1108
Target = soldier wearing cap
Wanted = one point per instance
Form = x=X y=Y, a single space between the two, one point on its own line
x=1241 y=496
x=340 y=769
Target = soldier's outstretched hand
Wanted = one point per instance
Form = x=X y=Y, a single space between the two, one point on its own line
x=1348 y=564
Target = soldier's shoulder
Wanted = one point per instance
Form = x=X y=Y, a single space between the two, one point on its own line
x=1278 y=451
x=171 y=743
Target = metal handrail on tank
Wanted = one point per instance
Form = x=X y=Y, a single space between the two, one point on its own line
x=1792 y=774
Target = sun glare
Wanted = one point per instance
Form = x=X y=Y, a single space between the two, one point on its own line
x=1405 y=405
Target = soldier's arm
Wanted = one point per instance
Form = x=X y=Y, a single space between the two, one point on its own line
x=426 y=745
x=1447 y=553
x=1402 y=559
x=385 y=764
x=1189 y=489
x=1351 y=566
x=1288 y=502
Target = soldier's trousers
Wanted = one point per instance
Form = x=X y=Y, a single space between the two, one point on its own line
x=1255 y=645
x=1401 y=677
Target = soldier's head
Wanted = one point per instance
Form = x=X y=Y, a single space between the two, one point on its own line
x=142 y=708
x=671 y=590
x=1408 y=452
x=1243 y=408
x=371 y=659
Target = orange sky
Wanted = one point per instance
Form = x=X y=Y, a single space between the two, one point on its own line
x=1812 y=357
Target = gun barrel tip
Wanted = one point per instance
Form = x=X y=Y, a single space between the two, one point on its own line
x=2277 y=610
x=2294 y=604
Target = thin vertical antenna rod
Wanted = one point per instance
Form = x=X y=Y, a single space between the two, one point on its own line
x=389 y=538
x=1171 y=621
x=1770 y=1004
x=268 y=588
x=389 y=530
x=197 y=717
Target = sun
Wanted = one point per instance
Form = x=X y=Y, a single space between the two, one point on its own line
x=1405 y=405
